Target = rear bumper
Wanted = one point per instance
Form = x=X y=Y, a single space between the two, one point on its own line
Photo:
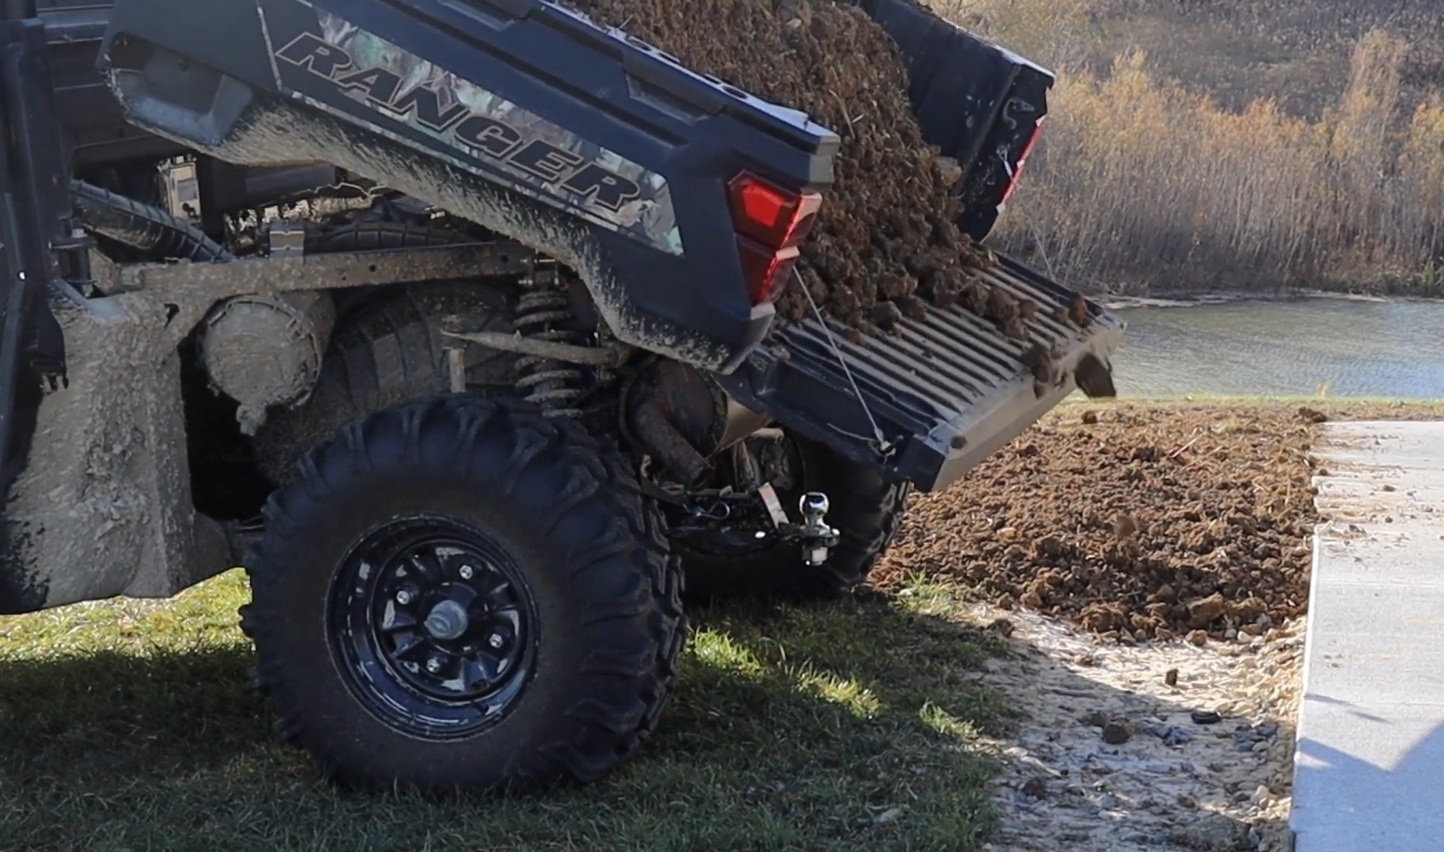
x=945 y=392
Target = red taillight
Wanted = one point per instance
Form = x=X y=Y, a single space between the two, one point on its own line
x=770 y=223
x=1023 y=160
x=766 y=270
x=759 y=206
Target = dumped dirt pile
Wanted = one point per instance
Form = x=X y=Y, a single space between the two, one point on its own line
x=885 y=239
x=1144 y=522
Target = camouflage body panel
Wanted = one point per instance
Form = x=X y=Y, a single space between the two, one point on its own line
x=543 y=160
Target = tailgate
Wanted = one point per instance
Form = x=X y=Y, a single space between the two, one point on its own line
x=944 y=391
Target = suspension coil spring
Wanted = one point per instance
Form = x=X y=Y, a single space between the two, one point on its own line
x=554 y=386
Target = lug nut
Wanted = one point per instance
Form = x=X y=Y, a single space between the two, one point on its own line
x=466 y=572
x=404 y=596
x=496 y=640
x=433 y=665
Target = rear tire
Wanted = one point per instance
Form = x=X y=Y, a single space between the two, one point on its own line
x=866 y=510
x=570 y=625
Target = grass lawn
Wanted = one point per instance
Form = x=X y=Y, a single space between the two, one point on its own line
x=132 y=725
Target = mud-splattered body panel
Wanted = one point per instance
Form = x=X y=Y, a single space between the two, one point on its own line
x=521 y=116
x=483 y=131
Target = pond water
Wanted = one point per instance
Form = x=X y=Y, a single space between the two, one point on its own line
x=1289 y=347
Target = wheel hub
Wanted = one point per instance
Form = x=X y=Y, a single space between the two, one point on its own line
x=436 y=623
x=445 y=631
x=447 y=620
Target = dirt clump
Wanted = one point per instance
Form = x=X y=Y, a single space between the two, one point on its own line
x=1136 y=522
x=886 y=239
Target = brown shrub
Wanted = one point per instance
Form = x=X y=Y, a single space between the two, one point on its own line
x=1144 y=185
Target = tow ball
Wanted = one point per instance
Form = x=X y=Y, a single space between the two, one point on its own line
x=818 y=538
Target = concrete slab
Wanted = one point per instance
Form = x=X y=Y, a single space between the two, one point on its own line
x=1400 y=549
x=1380 y=790
x=1370 y=748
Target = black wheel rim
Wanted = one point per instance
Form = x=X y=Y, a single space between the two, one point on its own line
x=434 y=625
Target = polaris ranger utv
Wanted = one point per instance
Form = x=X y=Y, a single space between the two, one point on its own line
x=452 y=321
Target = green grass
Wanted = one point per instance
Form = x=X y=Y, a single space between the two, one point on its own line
x=128 y=725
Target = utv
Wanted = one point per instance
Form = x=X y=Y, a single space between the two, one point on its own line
x=452 y=321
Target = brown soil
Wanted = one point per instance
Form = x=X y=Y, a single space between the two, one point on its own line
x=1136 y=521
x=885 y=239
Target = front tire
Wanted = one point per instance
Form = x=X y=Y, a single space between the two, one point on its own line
x=463 y=593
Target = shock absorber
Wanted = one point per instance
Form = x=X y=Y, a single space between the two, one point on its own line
x=544 y=313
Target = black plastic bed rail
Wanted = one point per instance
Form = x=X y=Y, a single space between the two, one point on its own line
x=933 y=400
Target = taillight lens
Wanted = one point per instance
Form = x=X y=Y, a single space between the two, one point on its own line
x=770 y=222
x=1023 y=160
x=766 y=270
